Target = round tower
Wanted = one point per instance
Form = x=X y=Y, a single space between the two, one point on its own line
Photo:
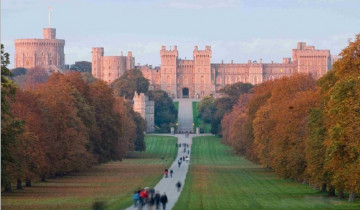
x=97 y=54
x=47 y=53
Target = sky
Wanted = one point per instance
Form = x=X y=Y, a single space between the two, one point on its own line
x=238 y=30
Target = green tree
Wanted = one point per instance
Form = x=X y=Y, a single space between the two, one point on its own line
x=165 y=111
x=206 y=108
x=10 y=127
x=131 y=81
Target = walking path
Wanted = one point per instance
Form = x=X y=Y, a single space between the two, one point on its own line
x=167 y=185
x=185 y=115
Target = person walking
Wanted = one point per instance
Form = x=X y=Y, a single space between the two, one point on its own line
x=164 y=200
x=178 y=185
x=166 y=173
x=157 y=200
x=171 y=173
x=136 y=198
x=151 y=202
x=179 y=162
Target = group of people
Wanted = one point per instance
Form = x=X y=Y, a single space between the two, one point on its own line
x=150 y=198
x=166 y=173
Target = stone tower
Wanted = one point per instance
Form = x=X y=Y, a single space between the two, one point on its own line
x=109 y=68
x=202 y=72
x=146 y=109
x=47 y=53
x=311 y=61
x=97 y=53
x=169 y=61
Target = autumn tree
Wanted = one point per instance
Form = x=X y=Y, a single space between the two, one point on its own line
x=225 y=104
x=342 y=120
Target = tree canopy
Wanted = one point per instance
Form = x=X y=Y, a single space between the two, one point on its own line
x=131 y=81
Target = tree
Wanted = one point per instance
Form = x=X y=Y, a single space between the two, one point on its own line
x=81 y=66
x=131 y=81
x=342 y=120
x=206 y=108
x=225 y=104
x=165 y=111
x=10 y=127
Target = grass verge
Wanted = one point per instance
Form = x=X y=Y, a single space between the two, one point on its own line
x=111 y=184
x=217 y=179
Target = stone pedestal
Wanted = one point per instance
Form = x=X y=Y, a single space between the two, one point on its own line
x=197 y=130
x=172 y=130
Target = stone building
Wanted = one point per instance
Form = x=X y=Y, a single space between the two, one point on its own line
x=47 y=53
x=109 y=68
x=146 y=109
x=199 y=77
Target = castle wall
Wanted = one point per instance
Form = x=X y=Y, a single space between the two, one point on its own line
x=47 y=53
x=201 y=77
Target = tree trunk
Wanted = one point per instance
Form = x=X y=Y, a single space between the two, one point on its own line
x=19 y=184
x=323 y=187
x=28 y=182
x=331 y=191
x=8 y=187
x=351 y=197
x=341 y=194
x=43 y=178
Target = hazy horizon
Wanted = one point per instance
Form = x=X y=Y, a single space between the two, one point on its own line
x=236 y=30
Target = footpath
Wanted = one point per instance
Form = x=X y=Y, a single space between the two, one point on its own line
x=168 y=185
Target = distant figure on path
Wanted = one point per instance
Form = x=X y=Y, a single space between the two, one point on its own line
x=171 y=173
x=179 y=162
x=164 y=200
x=178 y=185
x=136 y=198
x=157 y=200
x=166 y=173
x=151 y=202
x=187 y=159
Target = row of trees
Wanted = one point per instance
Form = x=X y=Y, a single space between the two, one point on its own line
x=63 y=125
x=305 y=130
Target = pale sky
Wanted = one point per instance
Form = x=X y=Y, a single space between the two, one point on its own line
x=238 y=30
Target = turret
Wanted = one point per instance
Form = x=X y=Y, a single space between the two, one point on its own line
x=49 y=33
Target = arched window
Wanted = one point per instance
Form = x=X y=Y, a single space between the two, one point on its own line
x=168 y=79
x=202 y=79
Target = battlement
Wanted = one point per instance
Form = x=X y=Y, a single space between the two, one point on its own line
x=172 y=52
x=202 y=53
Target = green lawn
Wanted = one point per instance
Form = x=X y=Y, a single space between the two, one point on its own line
x=198 y=122
x=111 y=183
x=219 y=180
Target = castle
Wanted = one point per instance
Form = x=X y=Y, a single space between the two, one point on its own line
x=47 y=53
x=146 y=109
x=109 y=68
x=199 y=77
